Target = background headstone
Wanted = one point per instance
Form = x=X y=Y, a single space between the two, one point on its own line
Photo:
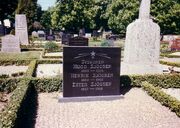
x=91 y=71
x=66 y=37
x=78 y=41
x=10 y=43
x=41 y=35
x=34 y=34
x=21 y=29
x=82 y=32
x=2 y=30
x=142 y=46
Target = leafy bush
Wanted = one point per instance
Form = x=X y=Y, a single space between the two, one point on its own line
x=170 y=63
x=9 y=114
x=8 y=85
x=49 y=61
x=162 y=97
x=104 y=43
x=14 y=62
x=31 y=70
x=4 y=76
x=51 y=46
x=160 y=80
x=47 y=84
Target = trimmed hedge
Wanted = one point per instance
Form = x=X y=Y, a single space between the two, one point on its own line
x=9 y=114
x=49 y=61
x=47 y=84
x=51 y=57
x=14 y=62
x=160 y=80
x=172 y=103
x=170 y=56
x=8 y=85
x=31 y=69
x=170 y=63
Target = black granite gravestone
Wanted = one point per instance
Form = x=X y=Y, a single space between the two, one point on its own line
x=2 y=30
x=78 y=41
x=91 y=71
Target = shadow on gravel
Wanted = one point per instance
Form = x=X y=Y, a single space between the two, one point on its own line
x=28 y=111
x=125 y=84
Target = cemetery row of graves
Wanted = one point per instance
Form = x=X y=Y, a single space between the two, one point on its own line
x=23 y=76
x=17 y=88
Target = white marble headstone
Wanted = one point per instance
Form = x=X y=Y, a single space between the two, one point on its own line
x=10 y=43
x=34 y=34
x=21 y=28
x=142 y=46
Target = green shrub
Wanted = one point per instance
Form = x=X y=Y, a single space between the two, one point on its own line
x=49 y=61
x=162 y=97
x=51 y=46
x=8 y=85
x=104 y=43
x=14 y=62
x=47 y=84
x=31 y=69
x=9 y=114
x=4 y=76
x=159 y=80
x=170 y=63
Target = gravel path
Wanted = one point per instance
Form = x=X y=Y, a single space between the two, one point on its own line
x=173 y=92
x=8 y=70
x=174 y=60
x=135 y=110
x=54 y=54
x=49 y=70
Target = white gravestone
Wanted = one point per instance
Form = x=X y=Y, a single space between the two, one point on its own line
x=142 y=45
x=34 y=34
x=21 y=28
x=10 y=43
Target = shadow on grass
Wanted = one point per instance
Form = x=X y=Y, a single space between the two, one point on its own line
x=26 y=117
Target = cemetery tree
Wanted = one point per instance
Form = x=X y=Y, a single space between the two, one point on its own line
x=46 y=19
x=167 y=14
x=121 y=13
x=164 y=12
x=7 y=7
x=101 y=20
x=73 y=15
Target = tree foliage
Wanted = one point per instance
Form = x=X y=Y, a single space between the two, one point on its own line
x=110 y=14
x=121 y=13
x=165 y=12
x=74 y=14
x=7 y=7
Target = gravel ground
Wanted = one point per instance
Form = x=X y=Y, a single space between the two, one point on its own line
x=49 y=70
x=173 y=92
x=54 y=54
x=135 y=110
x=175 y=60
x=175 y=53
x=8 y=70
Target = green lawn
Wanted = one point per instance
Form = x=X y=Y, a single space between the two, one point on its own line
x=20 y=56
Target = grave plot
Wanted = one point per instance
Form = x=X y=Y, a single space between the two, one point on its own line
x=13 y=70
x=49 y=70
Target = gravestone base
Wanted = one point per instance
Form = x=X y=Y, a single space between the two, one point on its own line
x=89 y=98
x=140 y=69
